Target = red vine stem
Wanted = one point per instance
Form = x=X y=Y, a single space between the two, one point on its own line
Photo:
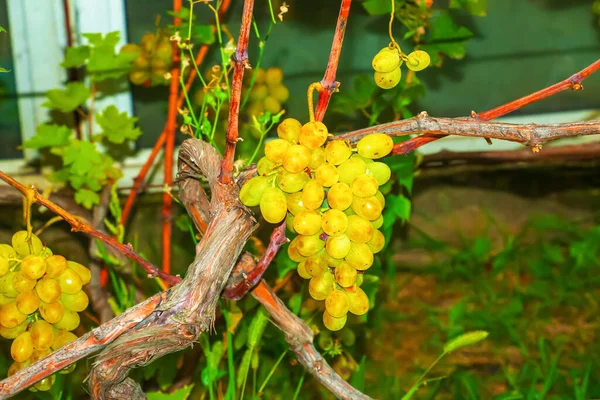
x=328 y=83
x=241 y=62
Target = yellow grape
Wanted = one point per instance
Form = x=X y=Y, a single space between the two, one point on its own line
x=45 y=384
x=369 y=208
x=378 y=223
x=4 y=265
x=327 y=175
x=377 y=242
x=6 y=285
x=296 y=159
x=313 y=134
x=273 y=76
x=358 y=301
x=276 y=149
x=294 y=203
x=280 y=92
x=7 y=251
x=380 y=171
x=259 y=93
x=360 y=230
x=33 y=267
x=70 y=281
x=75 y=302
x=10 y=316
x=273 y=206
x=42 y=335
x=334 y=222
x=317 y=158
x=291 y=183
x=21 y=283
x=39 y=354
x=6 y=300
x=11 y=333
x=350 y=169
x=307 y=223
x=338 y=246
x=320 y=286
x=375 y=145
x=27 y=302
x=289 y=222
x=62 y=338
x=336 y=303
x=25 y=248
x=265 y=166
x=22 y=347
x=313 y=195
x=69 y=321
x=387 y=80
x=302 y=270
x=360 y=256
x=380 y=199
x=337 y=151
x=252 y=191
x=345 y=275
x=49 y=290
x=310 y=245
x=83 y=272
x=55 y=266
x=340 y=196
x=418 y=60
x=386 y=60
x=332 y=323
x=52 y=312
x=293 y=251
x=315 y=265
x=364 y=186
x=332 y=262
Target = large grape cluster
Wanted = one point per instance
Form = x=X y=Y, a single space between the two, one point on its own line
x=40 y=298
x=328 y=192
x=388 y=61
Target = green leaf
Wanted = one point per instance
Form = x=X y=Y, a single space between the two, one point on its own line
x=98 y=39
x=203 y=34
x=473 y=7
x=358 y=378
x=82 y=157
x=377 y=7
x=396 y=207
x=87 y=198
x=2 y=29
x=443 y=27
x=76 y=56
x=466 y=339
x=117 y=127
x=74 y=95
x=104 y=62
x=179 y=394
x=4 y=70
x=283 y=262
x=49 y=135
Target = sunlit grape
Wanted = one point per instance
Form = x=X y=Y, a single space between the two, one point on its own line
x=313 y=134
x=358 y=301
x=375 y=145
x=294 y=203
x=293 y=251
x=327 y=175
x=276 y=149
x=69 y=321
x=377 y=242
x=83 y=272
x=387 y=80
x=45 y=384
x=338 y=246
x=350 y=169
x=345 y=275
x=320 y=286
x=27 y=302
x=317 y=158
x=265 y=166
x=332 y=323
x=52 y=312
x=336 y=303
x=364 y=186
x=42 y=335
x=380 y=171
x=302 y=270
x=315 y=265
x=273 y=205
x=291 y=183
x=387 y=60
x=312 y=195
x=55 y=266
x=334 y=222
x=360 y=230
x=337 y=151
x=21 y=283
x=307 y=223
x=10 y=316
x=252 y=191
x=369 y=208
x=22 y=347
x=296 y=159
x=340 y=196
x=70 y=282
x=24 y=247
x=33 y=266
x=310 y=245
x=360 y=256
x=75 y=302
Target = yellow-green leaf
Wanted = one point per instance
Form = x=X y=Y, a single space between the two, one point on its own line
x=466 y=339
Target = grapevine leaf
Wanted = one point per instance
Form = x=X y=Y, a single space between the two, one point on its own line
x=87 y=198
x=82 y=157
x=473 y=7
x=396 y=207
x=2 y=29
x=179 y=394
x=76 y=56
x=466 y=339
x=117 y=127
x=203 y=34
x=446 y=38
x=377 y=7
x=74 y=95
x=49 y=135
x=103 y=62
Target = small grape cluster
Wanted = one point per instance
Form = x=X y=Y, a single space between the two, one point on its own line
x=40 y=297
x=154 y=60
x=388 y=61
x=268 y=92
x=329 y=195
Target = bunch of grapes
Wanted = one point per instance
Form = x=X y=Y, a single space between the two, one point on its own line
x=387 y=64
x=329 y=195
x=40 y=298
x=268 y=92
x=154 y=60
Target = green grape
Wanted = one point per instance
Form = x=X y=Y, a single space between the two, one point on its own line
x=24 y=248
x=6 y=300
x=62 y=338
x=55 y=266
x=296 y=159
x=302 y=270
x=69 y=282
x=375 y=145
x=380 y=171
x=332 y=262
x=82 y=271
x=265 y=166
x=350 y=169
x=387 y=80
x=33 y=267
x=378 y=223
x=380 y=199
x=364 y=186
x=317 y=158
x=315 y=265
x=369 y=208
x=21 y=283
x=313 y=134
x=291 y=183
x=68 y=369
x=294 y=203
x=327 y=175
x=28 y=302
x=69 y=321
x=387 y=60
x=6 y=285
x=345 y=275
x=276 y=149
x=337 y=151
x=42 y=335
x=75 y=302
x=11 y=333
x=313 y=195
x=347 y=337
x=252 y=191
x=310 y=245
x=377 y=242
x=289 y=222
x=336 y=303
x=22 y=347
x=10 y=316
x=358 y=301
x=293 y=251
x=360 y=256
x=4 y=265
x=39 y=354
x=332 y=323
x=334 y=222
x=340 y=196
x=321 y=285
x=258 y=93
x=360 y=230
x=338 y=246
x=45 y=384
x=273 y=205
x=52 y=312
x=418 y=60
x=307 y=223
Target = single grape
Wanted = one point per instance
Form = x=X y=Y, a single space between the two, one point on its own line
x=296 y=159
x=62 y=338
x=4 y=265
x=332 y=323
x=310 y=245
x=418 y=60
x=360 y=256
x=294 y=203
x=42 y=335
x=369 y=208
x=313 y=134
x=387 y=80
x=82 y=271
x=6 y=285
x=307 y=223
x=7 y=251
x=55 y=266
x=33 y=267
x=358 y=301
x=338 y=246
x=378 y=223
x=280 y=92
x=313 y=195
x=336 y=303
x=28 y=302
x=320 y=286
x=259 y=93
x=293 y=251
x=327 y=175
x=273 y=205
x=334 y=222
x=340 y=196
x=69 y=321
x=350 y=169
x=45 y=384
x=380 y=171
x=70 y=282
x=291 y=183
x=11 y=333
x=24 y=247
x=272 y=105
x=360 y=230
x=387 y=60
x=375 y=145
x=377 y=242
x=364 y=186
x=337 y=151
x=252 y=191
x=10 y=316
x=276 y=149
x=302 y=270
x=265 y=166
x=380 y=199
x=22 y=347
x=315 y=265
x=273 y=76
x=52 y=312
x=317 y=158
x=21 y=283
x=75 y=302
x=345 y=275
